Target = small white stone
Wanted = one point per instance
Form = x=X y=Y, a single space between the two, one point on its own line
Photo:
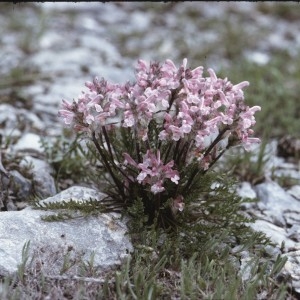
x=29 y=141
x=245 y=190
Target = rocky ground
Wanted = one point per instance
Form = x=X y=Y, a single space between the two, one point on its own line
x=49 y=50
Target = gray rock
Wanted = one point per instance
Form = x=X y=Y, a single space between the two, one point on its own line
x=292 y=218
x=8 y=116
x=294 y=232
x=43 y=182
x=274 y=200
x=273 y=251
x=293 y=174
x=21 y=185
x=32 y=120
x=28 y=141
x=247 y=264
x=245 y=190
x=75 y=193
x=277 y=234
x=291 y=270
x=277 y=214
x=295 y=191
x=103 y=236
x=13 y=118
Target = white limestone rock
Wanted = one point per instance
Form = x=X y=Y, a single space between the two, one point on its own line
x=277 y=234
x=104 y=236
x=275 y=201
x=29 y=141
x=44 y=185
x=295 y=191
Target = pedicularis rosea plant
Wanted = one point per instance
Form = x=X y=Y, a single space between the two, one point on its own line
x=158 y=136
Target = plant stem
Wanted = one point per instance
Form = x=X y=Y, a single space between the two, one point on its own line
x=196 y=171
x=167 y=152
x=107 y=142
x=216 y=159
x=108 y=167
x=109 y=145
x=176 y=151
x=173 y=96
x=217 y=139
x=137 y=145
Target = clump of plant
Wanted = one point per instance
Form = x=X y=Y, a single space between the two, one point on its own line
x=158 y=137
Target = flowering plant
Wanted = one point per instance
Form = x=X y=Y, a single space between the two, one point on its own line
x=158 y=136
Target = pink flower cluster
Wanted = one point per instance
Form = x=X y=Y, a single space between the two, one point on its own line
x=91 y=110
x=206 y=105
x=153 y=171
x=202 y=113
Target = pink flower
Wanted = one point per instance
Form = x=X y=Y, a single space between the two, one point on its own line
x=167 y=78
x=247 y=117
x=67 y=105
x=169 y=68
x=142 y=65
x=89 y=119
x=157 y=188
x=67 y=116
x=129 y=120
x=177 y=133
x=140 y=178
x=197 y=72
x=249 y=142
x=153 y=172
x=174 y=177
x=240 y=85
x=129 y=159
x=178 y=204
x=226 y=119
x=212 y=74
x=163 y=135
